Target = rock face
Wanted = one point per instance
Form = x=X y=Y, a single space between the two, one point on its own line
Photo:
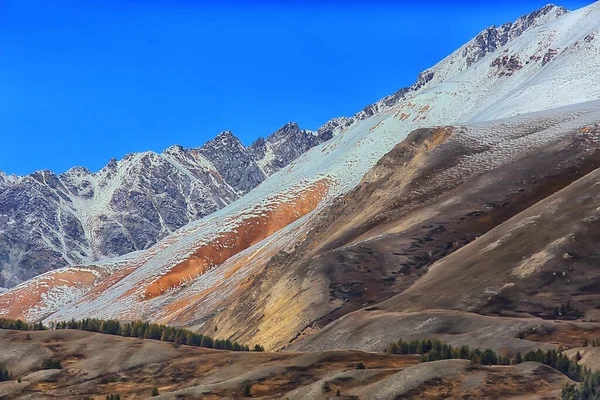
x=48 y=221
x=286 y=144
x=486 y=42
x=493 y=38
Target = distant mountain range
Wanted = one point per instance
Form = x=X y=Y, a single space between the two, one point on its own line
x=49 y=221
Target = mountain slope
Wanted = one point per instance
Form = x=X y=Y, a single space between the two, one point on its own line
x=48 y=221
x=434 y=193
x=265 y=267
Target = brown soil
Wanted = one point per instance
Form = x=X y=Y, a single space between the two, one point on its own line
x=95 y=365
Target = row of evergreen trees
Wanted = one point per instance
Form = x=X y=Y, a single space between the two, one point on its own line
x=18 y=325
x=147 y=330
x=568 y=311
x=591 y=343
x=139 y=329
x=4 y=375
x=433 y=350
x=588 y=389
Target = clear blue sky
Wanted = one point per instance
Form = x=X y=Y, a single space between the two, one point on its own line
x=84 y=81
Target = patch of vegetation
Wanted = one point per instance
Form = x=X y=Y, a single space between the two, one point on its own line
x=4 y=375
x=589 y=389
x=592 y=343
x=18 y=325
x=246 y=391
x=433 y=350
x=567 y=311
x=147 y=330
x=51 y=363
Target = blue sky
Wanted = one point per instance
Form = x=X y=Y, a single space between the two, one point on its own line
x=84 y=81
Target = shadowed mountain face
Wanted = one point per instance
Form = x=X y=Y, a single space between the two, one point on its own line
x=514 y=243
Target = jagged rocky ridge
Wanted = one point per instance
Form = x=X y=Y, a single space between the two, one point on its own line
x=486 y=42
x=49 y=221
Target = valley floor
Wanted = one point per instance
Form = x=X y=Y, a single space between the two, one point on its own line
x=96 y=365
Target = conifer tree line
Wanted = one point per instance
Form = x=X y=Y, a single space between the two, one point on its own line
x=147 y=330
x=18 y=325
x=433 y=350
x=587 y=389
x=139 y=329
x=4 y=375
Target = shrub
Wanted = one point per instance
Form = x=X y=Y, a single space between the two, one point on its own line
x=4 y=375
x=51 y=363
x=246 y=392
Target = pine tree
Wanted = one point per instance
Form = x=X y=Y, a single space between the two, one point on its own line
x=518 y=358
x=246 y=392
x=51 y=363
x=4 y=375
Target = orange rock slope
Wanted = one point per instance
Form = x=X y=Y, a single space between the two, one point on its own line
x=250 y=232
x=159 y=277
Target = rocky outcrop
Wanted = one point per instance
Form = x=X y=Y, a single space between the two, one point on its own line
x=286 y=144
x=235 y=165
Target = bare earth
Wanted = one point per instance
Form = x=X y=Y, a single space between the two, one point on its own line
x=95 y=365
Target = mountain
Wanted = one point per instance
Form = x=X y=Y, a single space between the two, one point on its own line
x=463 y=208
x=48 y=221
x=405 y=223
